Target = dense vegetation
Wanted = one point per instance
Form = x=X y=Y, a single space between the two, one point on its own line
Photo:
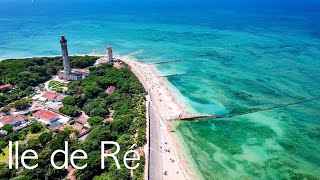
x=127 y=127
x=128 y=124
x=25 y=74
x=70 y=110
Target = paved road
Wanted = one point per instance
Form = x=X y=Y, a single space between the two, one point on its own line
x=156 y=170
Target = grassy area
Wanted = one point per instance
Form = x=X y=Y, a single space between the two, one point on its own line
x=33 y=136
x=64 y=85
x=57 y=89
x=41 y=86
x=5 y=155
x=53 y=83
x=57 y=86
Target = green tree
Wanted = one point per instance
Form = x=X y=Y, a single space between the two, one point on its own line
x=70 y=110
x=5 y=172
x=33 y=144
x=92 y=90
x=45 y=137
x=70 y=100
x=59 y=140
x=7 y=127
x=21 y=104
x=96 y=120
x=93 y=168
x=96 y=107
x=35 y=128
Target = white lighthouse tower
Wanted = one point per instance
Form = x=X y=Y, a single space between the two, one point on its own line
x=65 y=55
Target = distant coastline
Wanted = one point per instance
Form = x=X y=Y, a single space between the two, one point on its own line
x=26 y=57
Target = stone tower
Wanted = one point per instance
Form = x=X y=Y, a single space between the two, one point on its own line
x=65 y=55
x=109 y=52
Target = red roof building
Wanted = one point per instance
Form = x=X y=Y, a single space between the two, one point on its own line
x=52 y=96
x=14 y=120
x=49 y=95
x=5 y=86
x=110 y=90
x=46 y=116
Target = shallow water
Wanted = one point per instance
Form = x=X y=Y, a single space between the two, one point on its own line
x=232 y=60
x=282 y=143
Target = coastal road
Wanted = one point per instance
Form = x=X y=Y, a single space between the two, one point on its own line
x=155 y=166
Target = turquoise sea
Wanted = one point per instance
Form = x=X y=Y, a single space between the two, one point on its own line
x=257 y=61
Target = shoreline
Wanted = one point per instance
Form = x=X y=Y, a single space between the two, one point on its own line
x=190 y=172
x=168 y=108
x=162 y=95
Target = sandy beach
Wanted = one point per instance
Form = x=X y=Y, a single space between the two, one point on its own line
x=163 y=99
x=168 y=108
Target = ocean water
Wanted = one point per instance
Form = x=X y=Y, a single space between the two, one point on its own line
x=257 y=61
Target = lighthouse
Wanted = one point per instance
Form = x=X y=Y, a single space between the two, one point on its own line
x=65 y=55
x=67 y=73
x=109 y=52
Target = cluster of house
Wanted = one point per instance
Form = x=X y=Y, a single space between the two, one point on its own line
x=44 y=116
x=55 y=120
x=47 y=112
x=14 y=120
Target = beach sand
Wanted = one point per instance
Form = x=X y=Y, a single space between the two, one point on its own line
x=163 y=99
x=168 y=108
